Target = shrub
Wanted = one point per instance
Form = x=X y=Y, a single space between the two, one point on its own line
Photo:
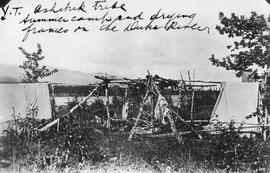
x=233 y=151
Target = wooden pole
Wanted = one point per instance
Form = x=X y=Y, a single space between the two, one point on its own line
x=107 y=106
x=86 y=98
x=53 y=101
x=181 y=119
x=39 y=156
x=266 y=81
x=180 y=96
x=201 y=81
x=126 y=94
x=264 y=129
x=174 y=130
x=189 y=78
x=13 y=159
x=187 y=132
x=173 y=127
x=218 y=100
x=71 y=110
x=192 y=107
x=172 y=111
x=152 y=113
x=15 y=119
x=265 y=123
x=124 y=109
x=13 y=145
x=138 y=116
x=193 y=76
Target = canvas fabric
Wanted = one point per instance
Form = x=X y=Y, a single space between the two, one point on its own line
x=161 y=109
x=125 y=111
x=21 y=96
x=237 y=101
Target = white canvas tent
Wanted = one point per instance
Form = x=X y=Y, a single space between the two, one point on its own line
x=20 y=96
x=236 y=102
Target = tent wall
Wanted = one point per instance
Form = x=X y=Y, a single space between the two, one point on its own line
x=237 y=101
x=20 y=96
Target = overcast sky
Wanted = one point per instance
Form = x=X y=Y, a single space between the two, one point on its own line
x=132 y=53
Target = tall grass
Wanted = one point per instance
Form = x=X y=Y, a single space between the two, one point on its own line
x=84 y=145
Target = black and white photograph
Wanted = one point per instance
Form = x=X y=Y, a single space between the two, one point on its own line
x=148 y=86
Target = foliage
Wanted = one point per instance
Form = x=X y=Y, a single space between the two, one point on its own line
x=81 y=140
x=23 y=129
x=33 y=71
x=80 y=133
x=21 y=137
x=117 y=105
x=250 y=49
x=233 y=151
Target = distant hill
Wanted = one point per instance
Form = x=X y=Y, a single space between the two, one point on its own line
x=73 y=77
x=12 y=73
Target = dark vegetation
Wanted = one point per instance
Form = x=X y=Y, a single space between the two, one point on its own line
x=82 y=141
x=249 y=49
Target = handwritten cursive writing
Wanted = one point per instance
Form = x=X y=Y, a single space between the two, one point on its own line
x=99 y=5
x=15 y=11
x=29 y=19
x=171 y=22
x=107 y=16
x=67 y=8
x=31 y=29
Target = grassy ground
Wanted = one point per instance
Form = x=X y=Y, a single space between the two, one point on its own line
x=116 y=154
x=83 y=144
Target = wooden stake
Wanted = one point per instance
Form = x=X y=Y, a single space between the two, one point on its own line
x=13 y=145
x=193 y=76
x=15 y=119
x=173 y=127
x=189 y=78
x=39 y=158
x=138 y=117
x=218 y=100
x=174 y=130
x=152 y=113
x=180 y=94
x=181 y=119
x=13 y=159
x=172 y=111
x=265 y=123
x=107 y=106
x=52 y=101
x=192 y=107
x=124 y=111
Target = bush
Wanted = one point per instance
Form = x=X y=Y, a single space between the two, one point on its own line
x=233 y=151
x=83 y=140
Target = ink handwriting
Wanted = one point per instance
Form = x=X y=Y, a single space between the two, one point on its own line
x=106 y=16
x=99 y=5
x=31 y=29
x=15 y=11
x=54 y=9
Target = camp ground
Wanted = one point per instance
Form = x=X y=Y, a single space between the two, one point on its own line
x=119 y=120
x=185 y=106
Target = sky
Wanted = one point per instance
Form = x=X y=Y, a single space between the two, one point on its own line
x=130 y=54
